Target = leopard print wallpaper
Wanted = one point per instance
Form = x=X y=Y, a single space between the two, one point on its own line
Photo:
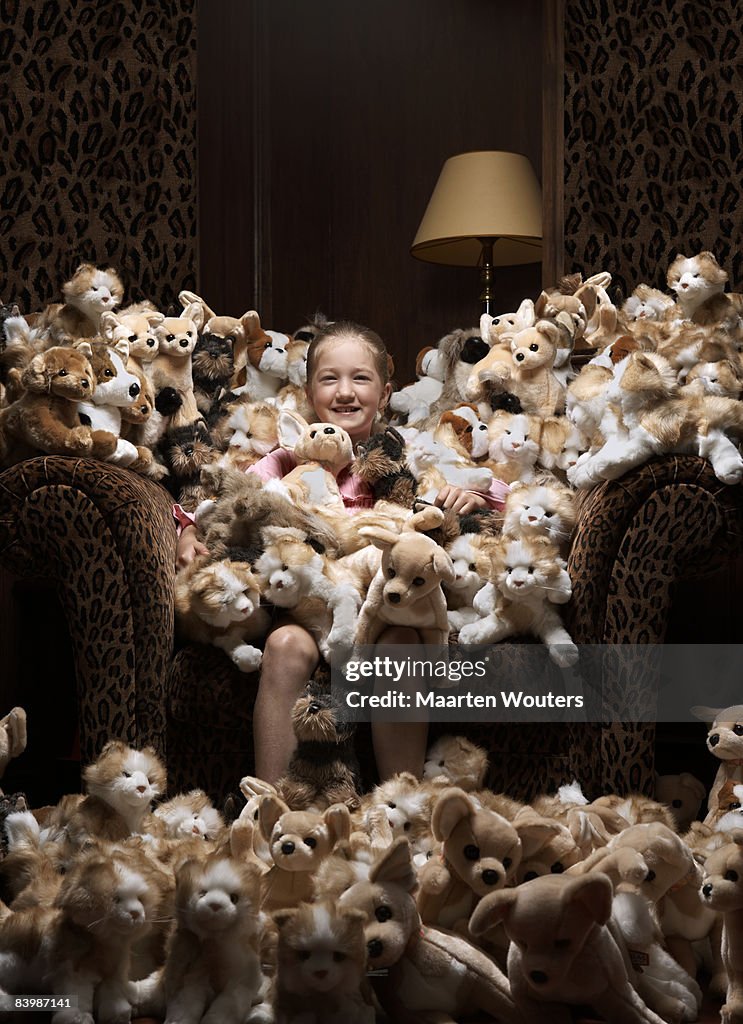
x=98 y=146
x=653 y=149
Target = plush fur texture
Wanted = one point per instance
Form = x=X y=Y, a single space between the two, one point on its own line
x=695 y=279
x=646 y=303
x=323 y=769
x=44 y=418
x=541 y=509
x=721 y=891
x=435 y=464
x=249 y=430
x=460 y=350
x=414 y=401
x=90 y=292
x=321 y=977
x=261 y=361
x=212 y=366
x=724 y=741
x=513 y=445
x=218 y=602
x=322 y=450
x=171 y=369
x=683 y=794
x=458 y=760
x=381 y=463
x=184 y=452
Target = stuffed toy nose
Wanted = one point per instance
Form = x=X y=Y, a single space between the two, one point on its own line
x=490 y=876
x=707 y=890
x=287 y=848
x=375 y=948
x=393 y=598
x=183 y=342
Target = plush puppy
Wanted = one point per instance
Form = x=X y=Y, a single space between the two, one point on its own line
x=725 y=741
x=421 y=973
x=721 y=890
x=414 y=401
x=380 y=462
x=683 y=794
x=323 y=769
x=298 y=841
x=322 y=450
x=460 y=350
x=90 y=292
x=321 y=976
x=135 y=421
x=547 y=846
x=480 y=853
x=462 y=429
x=138 y=328
x=293 y=395
x=218 y=602
x=562 y=953
x=211 y=368
x=44 y=418
x=171 y=369
x=184 y=452
x=532 y=378
x=406 y=590
x=458 y=760
x=115 y=389
x=261 y=362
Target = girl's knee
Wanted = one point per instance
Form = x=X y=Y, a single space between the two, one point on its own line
x=292 y=642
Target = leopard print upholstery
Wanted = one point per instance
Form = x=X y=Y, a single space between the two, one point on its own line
x=653 y=162
x=98 y=148
x=104 y=537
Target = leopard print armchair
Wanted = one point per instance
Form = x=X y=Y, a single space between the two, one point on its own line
x=104 y=538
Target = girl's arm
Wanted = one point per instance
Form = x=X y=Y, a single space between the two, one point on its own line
x=462 y=502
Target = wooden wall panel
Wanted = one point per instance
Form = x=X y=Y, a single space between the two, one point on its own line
x=353 y=109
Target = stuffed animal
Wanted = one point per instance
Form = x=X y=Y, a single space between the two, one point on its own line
x=531 y=378
x=435 y=465
x=646 y=303
x=323 y=769
x=462 y=429
x=683 y=794
x=380 y=462
x=722 y=377
x=90 y=292
x=585 y=401
x=547 y=845
x=457 y=760
x=460 y=350
x=480 y=852
x=218 y=602
x=138 y=329
x=115 y=389
x=721 y=890
x=12 y=737
x=293 y=395
x=298 y=842
x=527 y=578
x=494 y=328
x=406 y=590
x=212 y=367
x=414 y=401
x=182 y=453
x=725 y=741
x=695 y=280
x=541 y=509
x=421 y=973
x=561 y=445
x=44 y=418
x=322 y=450
x=249 y=430
x=261 y=362
x=460 y=592
x=321 y=972
x=399 y=807
x=513 y=450
x=190 y=814
x=562 y=953
x=171 y=369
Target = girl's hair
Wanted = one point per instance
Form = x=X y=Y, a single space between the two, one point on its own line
x=347 y=329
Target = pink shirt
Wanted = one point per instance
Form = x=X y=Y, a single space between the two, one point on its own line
x=356 y=494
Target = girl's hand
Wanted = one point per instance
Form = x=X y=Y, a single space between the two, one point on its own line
x=458 y=500
x=189 y=547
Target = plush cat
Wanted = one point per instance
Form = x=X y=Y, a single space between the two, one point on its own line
x=528 y=577
x=458 y=760
x=723 y=377
x=541 y=509
x=190 y=814
x=218 y=602
x=695 y=280
x=404 y=806
x=212 y=969
x=250 y=431
x=321 y=976
x=646 y=303
x=90 y=292
x=561 y=445
x=514 y=440
x=435 y=465
x=460 y=592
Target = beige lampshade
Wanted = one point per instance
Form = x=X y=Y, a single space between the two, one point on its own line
x=482 y=195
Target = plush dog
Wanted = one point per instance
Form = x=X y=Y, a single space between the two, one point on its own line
x=460 y=350
x=138 y=329
x=463 y=430
x=171 y=369
x=115 y=389
x=725 y=741
x=298 y=842
x=547 y=846
x=406 y=590
x=261 y=362
x=322 y=450
x=562 y=953
x=321 y=976
x=421 y=973
x=414 y=401
x=323 y=769
x=380 y=462
x=721 y=890
x=683 y=794
x=480 y=853
x=531 y=378
x=44 y=418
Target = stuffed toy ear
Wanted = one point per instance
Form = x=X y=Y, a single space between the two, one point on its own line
x=122 y=347
x=549 y=330
x=419 y=359
x=187 y=299
x=338 y=820
x=443 y=566
x=270 y=810
x=595 y=893
x=526 y=313
x=534 y=831
x=427 y=519
x=109 y=323
x=448 y=811
x=705 y=714
x=291 y=426
x=35 y=377
x=153 y=317
x=86 y=348
x=251 y=323
x=493 y=909
x=380 y=538
x=395 y=867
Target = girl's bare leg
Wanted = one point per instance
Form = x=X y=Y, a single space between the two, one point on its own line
x=400 y=746
x=289 y=659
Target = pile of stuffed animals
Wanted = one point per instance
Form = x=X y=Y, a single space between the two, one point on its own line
x=430 y=900
x=194 y=400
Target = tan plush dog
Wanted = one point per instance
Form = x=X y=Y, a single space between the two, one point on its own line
x=562 y=953
x=44 y=418
x=722 y=890
x=406 y=590
x=322 y=450
x=725 y=741
x=422 y=974
x=480 y=853
x=298 y=842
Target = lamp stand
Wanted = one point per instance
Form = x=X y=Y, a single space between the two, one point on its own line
x=486 y=273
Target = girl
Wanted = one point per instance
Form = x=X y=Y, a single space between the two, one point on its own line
x=348 y=386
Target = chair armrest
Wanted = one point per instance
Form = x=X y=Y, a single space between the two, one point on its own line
x=104 y=537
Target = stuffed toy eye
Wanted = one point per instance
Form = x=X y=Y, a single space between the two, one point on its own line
x=304 y=954
x=383 y=914
x=407 y=826
x=392 y=805
x=313 y=433
x=109 y=373
x=472 y=567
x=650 y=876
x=731 y=876
x=391 y=573
x=189 y=333
x=508 y=432
x=234 y=897
x=311 y=842
x=127 y=775
x=529 y=875
x=548 y=515
x=557 y=868
x=530 y=569
x=269 y=344
x=338 y=957
x=738 y=730
x=441 y=764
x=472 y=852
x=170 y=337
x=285 y=568
x=468 y=430
x=534 y=347
x=62 y=373
x=418 y=581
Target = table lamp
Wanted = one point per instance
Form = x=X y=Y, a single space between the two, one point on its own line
x=485 y=211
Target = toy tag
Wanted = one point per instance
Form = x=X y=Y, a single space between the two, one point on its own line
x=378 y=972
x=639 y=959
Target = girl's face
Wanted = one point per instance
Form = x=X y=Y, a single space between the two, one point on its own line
x=346 y=389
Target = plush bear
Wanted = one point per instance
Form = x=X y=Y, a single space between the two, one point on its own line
x=406 y=591
x=298 y=842
x=562 y=953
x=480 y=852
x=44 y=418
